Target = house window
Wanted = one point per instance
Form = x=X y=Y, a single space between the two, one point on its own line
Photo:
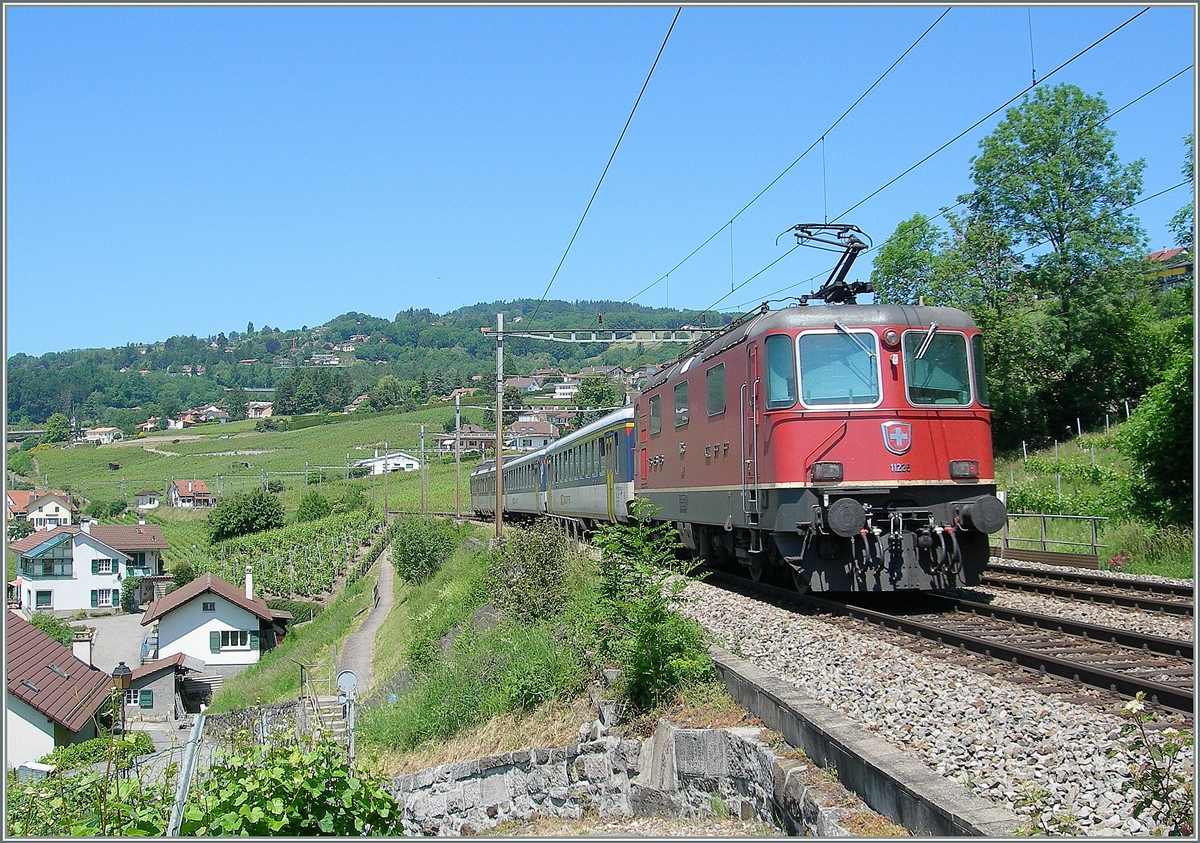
x=103 y=597
x=104 y=566
x=45 y=600
x=209 y=606
x=131 y=697
x=235 y=639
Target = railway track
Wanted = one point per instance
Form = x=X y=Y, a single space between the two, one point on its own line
x=1112 y=660
x=1166 y=598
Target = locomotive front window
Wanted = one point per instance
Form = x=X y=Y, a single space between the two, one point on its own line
x=681 y=404
x=980 y=371
x=940 y=375
x=655 y=414
x=781 y=372
x=839 y=368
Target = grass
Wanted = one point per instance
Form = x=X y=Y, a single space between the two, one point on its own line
x=1089 y=476
x=276 y=677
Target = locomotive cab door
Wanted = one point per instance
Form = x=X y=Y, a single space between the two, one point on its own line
x=751 y=420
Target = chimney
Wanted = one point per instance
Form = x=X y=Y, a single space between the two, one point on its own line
x=189 y=487
x=81 y=644
x=141 y=519
x=249 y=583
x=86 y=525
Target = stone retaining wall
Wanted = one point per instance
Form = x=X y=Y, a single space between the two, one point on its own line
x=676 y=772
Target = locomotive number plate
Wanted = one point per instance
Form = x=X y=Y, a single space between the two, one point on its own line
x=900 y=467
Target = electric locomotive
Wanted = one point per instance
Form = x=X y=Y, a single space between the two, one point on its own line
x=849 y=445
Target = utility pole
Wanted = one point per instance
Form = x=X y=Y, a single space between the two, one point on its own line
x=385 y=479
x=499 y=424
x=423 y=469
x=457 y=461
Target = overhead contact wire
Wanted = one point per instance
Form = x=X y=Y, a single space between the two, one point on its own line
x=610 y=160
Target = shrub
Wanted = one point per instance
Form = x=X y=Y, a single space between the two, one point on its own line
x=313 y=506
x=56 y=628
x=183 y=572
x=105 y=509
x=527 y=572
x=97 y=750
x=241 y=515
x=20 y=462
x=421 y=545
x=129 y=590
x=307 y=788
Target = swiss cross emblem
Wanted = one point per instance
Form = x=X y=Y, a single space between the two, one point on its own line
x=897 y=436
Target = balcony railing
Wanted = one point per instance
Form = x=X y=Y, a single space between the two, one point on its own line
x=48 y=572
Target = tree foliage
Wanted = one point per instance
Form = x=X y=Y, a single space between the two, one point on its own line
x=1183 y=223
x=56 y=628
x=243 y=514
x=313 y=506
x=58 y=428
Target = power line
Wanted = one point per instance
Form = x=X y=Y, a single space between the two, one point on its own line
x=810 y=148
x=610 y=160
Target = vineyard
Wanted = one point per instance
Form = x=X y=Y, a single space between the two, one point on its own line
x=303 y=560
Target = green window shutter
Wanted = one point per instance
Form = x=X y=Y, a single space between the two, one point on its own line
x=95 y=598
x=214 y=642
x=95 y=566
x=254 y=639
x=146 y=698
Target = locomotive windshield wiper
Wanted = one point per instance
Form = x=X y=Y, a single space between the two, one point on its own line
x=933 y=326
x=859 y=342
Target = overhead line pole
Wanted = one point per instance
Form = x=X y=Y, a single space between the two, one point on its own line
x=499 y=424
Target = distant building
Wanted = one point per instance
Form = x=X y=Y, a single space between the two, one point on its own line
x=397 y=461
x=190 y=494
x=45 y=509
x=101 y=435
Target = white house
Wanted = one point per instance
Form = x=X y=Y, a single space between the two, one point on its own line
x=147 y=499
x=397 y=461
x=191 y=494
x=101 y=435
x=566 y=389
x=82 y=566
x=45 y=510
x=530 y=435
x=51 y=697
x=258 y=409
x=215 y=622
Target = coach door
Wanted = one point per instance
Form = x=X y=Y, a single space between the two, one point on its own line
x=608 y=458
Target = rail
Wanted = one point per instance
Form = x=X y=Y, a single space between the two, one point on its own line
x=1042 y=541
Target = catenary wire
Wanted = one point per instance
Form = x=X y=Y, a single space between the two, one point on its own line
x=610 y=160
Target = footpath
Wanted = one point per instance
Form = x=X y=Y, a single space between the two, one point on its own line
x=359 y=649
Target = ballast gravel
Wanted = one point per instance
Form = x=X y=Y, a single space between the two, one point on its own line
x=1062 y=764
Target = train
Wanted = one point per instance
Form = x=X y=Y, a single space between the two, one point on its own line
x=847 y=446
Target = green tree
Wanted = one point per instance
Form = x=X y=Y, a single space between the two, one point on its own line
x=18 y=529
x=904 y=269
x=597 y=396
x=58 y=429
x=1158 y=438
x=1183 y=223
x=240 y=515
x=1050 y=176
x=235 y=401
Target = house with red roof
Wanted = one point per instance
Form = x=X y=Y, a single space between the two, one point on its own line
x=51 y=698
x=45 y=509
x=215 y=622
x=82 y=566
x=191 y=493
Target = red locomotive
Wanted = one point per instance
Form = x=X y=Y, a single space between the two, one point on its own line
x=848 y=444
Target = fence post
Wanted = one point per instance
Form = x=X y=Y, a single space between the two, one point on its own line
x=1042 y=520
x=185 y=777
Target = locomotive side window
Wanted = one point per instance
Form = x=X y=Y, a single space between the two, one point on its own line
x=935 y=367
x=980 y=372
x=655 y=414
x=839 y=368
x=781 y=372
x=681 y=404
x=714 y=389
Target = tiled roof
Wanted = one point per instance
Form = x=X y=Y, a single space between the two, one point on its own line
x=187 y=488
x=20 y=499
x=200 y=585
x=68 y=701
x=175 y=661
x=133 y=537
x=122 y=537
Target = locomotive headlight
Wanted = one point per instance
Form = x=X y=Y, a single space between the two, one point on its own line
x=890 y=337
x=829 y=472
x=964 y=469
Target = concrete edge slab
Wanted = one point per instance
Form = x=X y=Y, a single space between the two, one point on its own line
x=888 y=780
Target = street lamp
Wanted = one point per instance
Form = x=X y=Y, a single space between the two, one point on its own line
x=121 y=676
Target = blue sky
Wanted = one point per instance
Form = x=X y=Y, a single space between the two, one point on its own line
x=186 y=170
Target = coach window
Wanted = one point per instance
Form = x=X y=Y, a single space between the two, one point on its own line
x=714 y=389
x=981 y=392
x=681 y=404
x=935 y=368
x=781 y=372
x=839 y=368
x=655 y=414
